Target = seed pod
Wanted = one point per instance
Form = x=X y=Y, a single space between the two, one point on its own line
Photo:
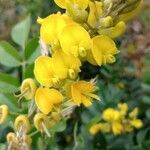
x=3 y=113
x=22 y=121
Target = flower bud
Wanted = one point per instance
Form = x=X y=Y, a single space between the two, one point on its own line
x=3 y=113
x=22 y=121
x=77 y=14
x=28 y=88
x=114 y=32
x=106 y=22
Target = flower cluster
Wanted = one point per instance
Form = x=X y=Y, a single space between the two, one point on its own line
x=85 y=32
x=117 y=121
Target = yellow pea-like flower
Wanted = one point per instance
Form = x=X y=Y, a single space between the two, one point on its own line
x=96 y=11
x=77 y=3
x=76 y=40
x=137 y=123
x=111 y=115
x=66 y=63
x=52 y=26
x=114 y=32
x=117 y=128
x=95 y=129
x=123 y=107
x=44 y=71
x=82 y=92
x=103 y=50
x=134 y=113
x=46 y=99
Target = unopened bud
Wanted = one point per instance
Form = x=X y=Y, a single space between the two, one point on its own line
x=106 y=22
x=77 y=14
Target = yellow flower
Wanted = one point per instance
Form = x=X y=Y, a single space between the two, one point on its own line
x=51 y=28
x=117 y=128
x=77 y=3
x=66 y=63
x=137 y=123
x=45 y=72
x=95 y=129
x=3 y=113
x=103 y=50
x=111 y=115
x=105 y=127
x=123 y=107
x=76 y=40
x=46 y=99
x=28 y=88
x=95 y=13
x=82 y=92
x=134 y=113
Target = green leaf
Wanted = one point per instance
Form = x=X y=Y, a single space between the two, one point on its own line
x=148 y=113
x=146 y=77
x=29 y=71
x=8 y=84
x=146 y=88
x=3 y=147
x=20 y=32
x=9 y=100
x=142 y=135
x=9 y=55
x=146 y=100
x=32 y=50
x=59 y=127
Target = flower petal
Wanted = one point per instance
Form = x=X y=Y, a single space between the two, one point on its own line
x=43 y=70
x=46 y=98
